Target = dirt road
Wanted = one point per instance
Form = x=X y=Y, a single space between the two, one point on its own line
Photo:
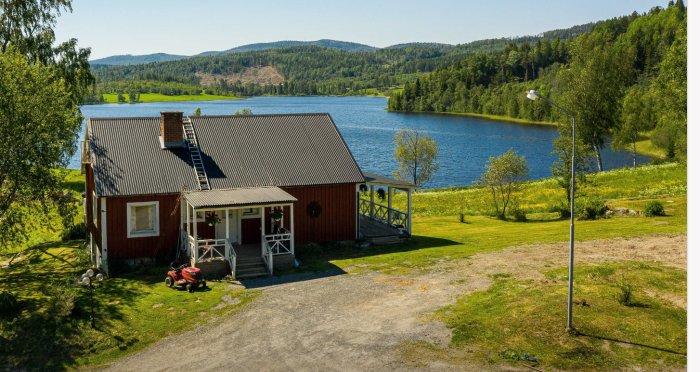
x=357 y=322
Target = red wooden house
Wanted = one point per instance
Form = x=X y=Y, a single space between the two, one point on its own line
x=243 y=190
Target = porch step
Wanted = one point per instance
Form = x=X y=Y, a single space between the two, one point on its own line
x=250 y=267
x=387 y=240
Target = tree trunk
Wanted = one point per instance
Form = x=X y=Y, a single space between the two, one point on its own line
x=598 y=159
x=634 y=154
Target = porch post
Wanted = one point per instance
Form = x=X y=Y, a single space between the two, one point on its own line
x=291 y=227
x=196 y=238
x=410 y=212
x=189 y=218
x=371 y=200
x=226 y=211
x=262 y=231
x=388 y=213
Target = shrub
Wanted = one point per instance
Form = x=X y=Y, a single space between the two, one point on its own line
x=591 y=208
x=625 y=295
x=9 y=306
x=518 y=213
x=654 y=208
x=561 y=208
x=77 y=231
x=310 y=250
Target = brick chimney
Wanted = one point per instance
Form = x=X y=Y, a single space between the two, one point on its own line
x=171 y=129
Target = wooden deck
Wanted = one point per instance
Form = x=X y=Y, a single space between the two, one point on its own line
x=370 y=228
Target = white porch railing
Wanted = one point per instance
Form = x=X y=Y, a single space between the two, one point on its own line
x=205 y=249
x=268 y=258
x=279 y=243
x=390 y=216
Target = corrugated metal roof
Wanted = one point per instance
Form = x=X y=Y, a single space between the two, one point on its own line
x=274 y=150
x=128 y=160
x=238 y=197
x=383 y=180
x=238 y=152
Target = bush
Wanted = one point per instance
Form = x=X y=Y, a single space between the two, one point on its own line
x=9 y=306
x=310 y=250
x=518 y=213
x=77 y=231
x=591 y=208
x=654 y=208
x=561 y=208
x=625 y=295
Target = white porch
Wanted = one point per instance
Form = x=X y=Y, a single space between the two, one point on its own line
x=380 y=219
x=244 y=228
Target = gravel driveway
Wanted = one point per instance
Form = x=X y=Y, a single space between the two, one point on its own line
x=358 y=322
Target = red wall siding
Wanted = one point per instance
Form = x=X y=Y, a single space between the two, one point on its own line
x=120 y=246
x=335 y=222
x=337 y=218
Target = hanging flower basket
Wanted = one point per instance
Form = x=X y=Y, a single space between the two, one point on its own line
x=211 y=219
x=276 y=214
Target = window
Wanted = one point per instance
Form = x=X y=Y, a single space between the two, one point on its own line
x=251 y=212
x=95 y=209
x=142 y=219
x=200 y=217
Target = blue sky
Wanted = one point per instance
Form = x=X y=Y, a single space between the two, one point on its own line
x=190 y=27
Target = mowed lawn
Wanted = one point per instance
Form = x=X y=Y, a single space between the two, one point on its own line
x=157 y=97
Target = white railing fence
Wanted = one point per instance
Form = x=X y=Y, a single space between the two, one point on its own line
x=279 y=243
x=268 y=257
x=205 y=249
x=382 y=213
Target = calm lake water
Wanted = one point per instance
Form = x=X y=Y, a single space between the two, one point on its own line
x=465 y=144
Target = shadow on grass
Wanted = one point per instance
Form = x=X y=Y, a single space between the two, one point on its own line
x=320 y=262
x=632 y=343
x=53 y=325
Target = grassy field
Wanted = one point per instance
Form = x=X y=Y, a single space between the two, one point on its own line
x=52 y=330
x=522 y=321
x=157 y=97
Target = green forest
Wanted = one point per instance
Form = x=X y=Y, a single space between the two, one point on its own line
x=307 y=70
x=624 y=80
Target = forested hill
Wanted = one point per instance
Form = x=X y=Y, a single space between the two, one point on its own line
x=625 y=78
x=301 y=69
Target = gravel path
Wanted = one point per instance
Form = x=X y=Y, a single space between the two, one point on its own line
x=358 y=322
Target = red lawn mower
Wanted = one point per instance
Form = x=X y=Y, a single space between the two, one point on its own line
x=184 y=275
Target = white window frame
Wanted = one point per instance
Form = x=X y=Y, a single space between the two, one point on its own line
x=156 y=223
x=95 y=208
x=246 y=214
x=198 y=218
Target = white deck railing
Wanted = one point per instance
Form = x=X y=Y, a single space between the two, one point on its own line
x=279 y=243
x=390 y=216
x=205 y=249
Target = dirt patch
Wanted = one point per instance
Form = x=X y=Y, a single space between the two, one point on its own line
x=375 y=321
x=262 y=75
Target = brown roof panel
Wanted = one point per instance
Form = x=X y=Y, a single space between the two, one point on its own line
x=274 y=150
x=128 y=160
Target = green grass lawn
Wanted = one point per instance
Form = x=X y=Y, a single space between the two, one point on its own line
x=52 y=330
x=523 y=321
x=157 y=97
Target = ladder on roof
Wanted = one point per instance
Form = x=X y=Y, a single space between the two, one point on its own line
x=195 y=154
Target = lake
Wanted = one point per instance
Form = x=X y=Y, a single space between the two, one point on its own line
x=465 y=143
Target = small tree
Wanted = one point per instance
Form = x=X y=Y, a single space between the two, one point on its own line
x=503 y=177
x=244 y=111
x=197 y=112
x=416 y=154
x=120 y=98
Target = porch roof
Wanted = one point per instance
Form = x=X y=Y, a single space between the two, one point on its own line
x=378 y=179
x=239 y=197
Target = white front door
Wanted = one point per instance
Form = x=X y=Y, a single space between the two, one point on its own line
x=232 y=225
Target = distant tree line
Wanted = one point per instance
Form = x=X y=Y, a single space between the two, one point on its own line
x=624 y=79
x=308 y=70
